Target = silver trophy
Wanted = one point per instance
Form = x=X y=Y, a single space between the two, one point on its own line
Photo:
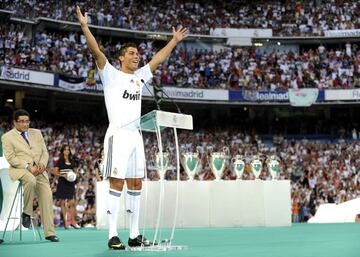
x=162 y=167
x=273 y=165
x=217 y=164
x=238 y=165
x=256 y=166
x=190 y=162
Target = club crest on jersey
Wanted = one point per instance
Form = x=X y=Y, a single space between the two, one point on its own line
x=132 y=97
x=136 y=82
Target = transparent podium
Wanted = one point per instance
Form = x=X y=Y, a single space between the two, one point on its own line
x=156 y=122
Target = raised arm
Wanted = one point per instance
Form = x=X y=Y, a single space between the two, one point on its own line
x=99 y=56
x=164 y=53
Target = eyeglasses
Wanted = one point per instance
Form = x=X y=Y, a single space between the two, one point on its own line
x=23 y=121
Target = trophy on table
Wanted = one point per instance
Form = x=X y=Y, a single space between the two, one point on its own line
x=238 y=165
x=190 y=162
x=256 y=166
x=217 y=164
x=273 y=165
x=162 y=167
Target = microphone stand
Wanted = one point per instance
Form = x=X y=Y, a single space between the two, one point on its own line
x=157 y=104
x=167 y=96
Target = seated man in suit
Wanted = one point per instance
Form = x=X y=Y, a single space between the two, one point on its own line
x=25 y=150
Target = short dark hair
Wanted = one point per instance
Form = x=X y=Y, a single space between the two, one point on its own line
x=20 y=112
x=125 y=46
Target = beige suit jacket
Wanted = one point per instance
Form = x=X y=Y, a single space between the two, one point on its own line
x=18 y=153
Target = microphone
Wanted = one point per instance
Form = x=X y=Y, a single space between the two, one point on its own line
x=157 y=104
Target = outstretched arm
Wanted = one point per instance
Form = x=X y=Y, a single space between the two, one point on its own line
x=93 y=45
x=164 y=53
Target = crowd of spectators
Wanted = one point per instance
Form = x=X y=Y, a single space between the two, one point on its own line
x=247 y=68
x=320 y=172
x=285 y=18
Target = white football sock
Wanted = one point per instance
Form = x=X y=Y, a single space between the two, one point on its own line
x=133 y=209
x=112 y=211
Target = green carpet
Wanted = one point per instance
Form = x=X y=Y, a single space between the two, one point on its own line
x=300 y=240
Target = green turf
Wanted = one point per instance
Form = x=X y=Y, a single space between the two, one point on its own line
x=305 y=240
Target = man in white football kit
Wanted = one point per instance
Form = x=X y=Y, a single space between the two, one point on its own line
x=124 y=151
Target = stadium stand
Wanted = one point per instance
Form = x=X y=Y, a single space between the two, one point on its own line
x=318 y=147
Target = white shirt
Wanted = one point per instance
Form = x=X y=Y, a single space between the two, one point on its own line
x=122 y=93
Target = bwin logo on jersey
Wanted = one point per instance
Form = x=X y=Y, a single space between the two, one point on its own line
x=133 y=97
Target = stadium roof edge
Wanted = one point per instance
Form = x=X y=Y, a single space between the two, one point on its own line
x=22 y=20
x=164 y=36
x=7 y=11
x=70 y=26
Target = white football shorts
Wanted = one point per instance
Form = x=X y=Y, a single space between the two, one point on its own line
x=123 y=153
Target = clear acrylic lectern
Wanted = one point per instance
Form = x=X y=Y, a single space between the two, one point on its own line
x=156 y=121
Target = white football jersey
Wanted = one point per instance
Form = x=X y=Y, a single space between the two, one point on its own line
x=122 y=93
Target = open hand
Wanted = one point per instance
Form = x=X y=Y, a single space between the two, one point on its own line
x=180 y=33
x=82 y=19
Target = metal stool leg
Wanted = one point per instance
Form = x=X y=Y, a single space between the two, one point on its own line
x=21 y=208
x=38 y=231
x=33 y=221
x=11 y=209
x=19 y=191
